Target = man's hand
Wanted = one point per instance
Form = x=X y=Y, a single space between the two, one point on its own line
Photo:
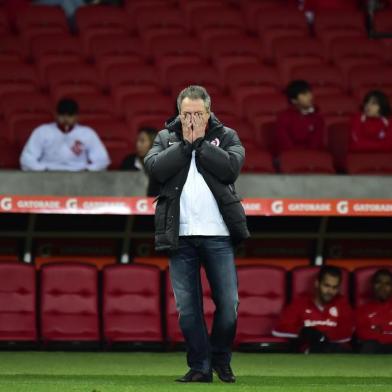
x=199 y=122
x=186 y=121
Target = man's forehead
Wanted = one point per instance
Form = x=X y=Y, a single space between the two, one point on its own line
x=192 y=103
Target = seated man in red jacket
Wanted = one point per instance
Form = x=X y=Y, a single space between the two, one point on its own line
x=322 y=322
x=300 y=126
x=374 y=319
x=371 y=129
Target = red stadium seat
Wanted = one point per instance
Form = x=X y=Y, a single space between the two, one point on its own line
x=94 y=107
x=216 y=19
x=274 y=24
x=331 y=25
x=337 y=109
x=348 y=53
x=133 y=7
x=338 y=136
x=369 y=163
x=179 y=77
x=9 y=153
x=252 y=8
x=371 y=77
x=363 y=283
x=262 y=295
x=17 y=77
x=109 y=129
x=382 y=21
x=108 y=52
x=90 y=18
x=246 y=80
x=82 y=78
x=156 y=121
x=173 y=332
x=160 y=18
x=132 y=304
x=306 y=162
x=39 y=20
x=222 y=106
x=324 y=79
x=233 y=50
x=289 y=53
x=142 y=104
x=173 y=50
x=21 y=106
x=12 y=49
x=18 y=318
x=69 y=303
x=4 y=23
x=303 y=281
x=257 y=161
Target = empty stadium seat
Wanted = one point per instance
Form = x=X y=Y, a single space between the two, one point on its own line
x=348 y=53
x=132 y=304
x=363 y=291
x=9 y=153
x=244 y=80
x=306 y=162
x=18 y=318
x=257 y=161
x=216 y=20
x=50 y=50
x=109 y=51
x=366 y=78
x=64 y=80
x=17 y=77
x=179 y=77
x=338 y=136
x=4 y=24
x=173 y=332
x=303 y=280
x=22 y=106
x=336 y=108
x=109 y=129
x=262 y=295
x=38 y=20
x=324 y=79
x=331 y=25
x=12 y=49
x=94 y=107
x=288 y=54
x=369 y=163
x=69 y=303
x=273 y=24
x=382 y=21
x=231 y=50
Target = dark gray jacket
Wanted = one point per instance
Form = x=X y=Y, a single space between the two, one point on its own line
x=219 y=163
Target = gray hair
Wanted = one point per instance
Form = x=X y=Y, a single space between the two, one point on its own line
x=193 y=93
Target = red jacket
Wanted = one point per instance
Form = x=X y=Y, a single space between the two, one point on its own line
x=370 y=134
x=374 y=321
x=295 y=130
x=335 y=320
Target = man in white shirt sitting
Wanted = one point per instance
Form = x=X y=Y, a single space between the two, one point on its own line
x=64 y=145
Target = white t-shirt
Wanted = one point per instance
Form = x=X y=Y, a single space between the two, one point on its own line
x=199 y=212
x=49 y=148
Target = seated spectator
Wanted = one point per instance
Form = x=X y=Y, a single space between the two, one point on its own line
x=64 y=144
x=135 y=162
x=374 y=319
x=300 y=126
x=321 y=322
x=371 y=129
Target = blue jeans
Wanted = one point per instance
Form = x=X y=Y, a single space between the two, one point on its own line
x=217 y=256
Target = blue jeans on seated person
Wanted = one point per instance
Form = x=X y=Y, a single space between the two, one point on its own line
x=216 y=254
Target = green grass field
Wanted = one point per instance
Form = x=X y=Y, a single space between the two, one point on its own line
x=142 y=372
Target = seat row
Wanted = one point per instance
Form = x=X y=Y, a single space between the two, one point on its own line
x=71 y=302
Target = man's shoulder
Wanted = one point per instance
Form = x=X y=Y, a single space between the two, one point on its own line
x=45 y=127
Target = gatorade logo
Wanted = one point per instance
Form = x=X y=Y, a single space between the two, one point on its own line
x=277 y=207
x=6 y=204
x=142 y=206
x=71 y=204
x=342 y=207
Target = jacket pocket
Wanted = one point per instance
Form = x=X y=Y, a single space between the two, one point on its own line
x=161 y=213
